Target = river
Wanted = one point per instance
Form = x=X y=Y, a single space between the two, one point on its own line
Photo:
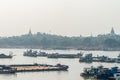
x=73 y=73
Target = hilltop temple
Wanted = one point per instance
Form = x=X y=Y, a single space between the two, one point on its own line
x=112 y=34
x=112 y=31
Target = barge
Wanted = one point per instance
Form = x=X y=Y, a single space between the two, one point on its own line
x=57 y=55
x=88 y=58
x=32 y=53
x=31 y=68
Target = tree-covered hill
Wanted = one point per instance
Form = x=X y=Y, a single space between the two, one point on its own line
x=47 y=41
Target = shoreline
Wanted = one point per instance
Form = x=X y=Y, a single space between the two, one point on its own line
x=65 y=48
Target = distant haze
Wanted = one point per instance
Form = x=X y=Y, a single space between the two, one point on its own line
x=61 y=17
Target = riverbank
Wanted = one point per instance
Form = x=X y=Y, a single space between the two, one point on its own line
x=63 y=48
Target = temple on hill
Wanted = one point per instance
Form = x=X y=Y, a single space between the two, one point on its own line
x=112 y=34
x=112 y=31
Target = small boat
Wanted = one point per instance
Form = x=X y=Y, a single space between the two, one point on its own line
x=5 y=56
x=30 y=53
x=118 y=59
x=87 y=58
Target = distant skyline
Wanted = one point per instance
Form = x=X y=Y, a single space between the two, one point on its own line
x=60 y=17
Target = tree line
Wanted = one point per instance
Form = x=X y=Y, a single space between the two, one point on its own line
x=43 y=40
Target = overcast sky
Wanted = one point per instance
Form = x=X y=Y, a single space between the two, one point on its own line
x=62 y=17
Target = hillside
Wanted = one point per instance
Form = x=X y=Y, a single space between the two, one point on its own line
x=47 y=41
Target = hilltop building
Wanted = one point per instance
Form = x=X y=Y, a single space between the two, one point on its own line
x=112 y=31
x=111 y=35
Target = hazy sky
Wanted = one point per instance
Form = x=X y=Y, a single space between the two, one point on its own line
x=62 y=17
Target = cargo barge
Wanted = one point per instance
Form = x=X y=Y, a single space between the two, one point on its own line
x=57 y=55
x=31 y=68
x=88 y=58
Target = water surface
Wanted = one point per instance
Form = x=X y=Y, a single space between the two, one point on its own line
x=73 y=73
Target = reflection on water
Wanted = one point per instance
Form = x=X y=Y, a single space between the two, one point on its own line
x=73 y=73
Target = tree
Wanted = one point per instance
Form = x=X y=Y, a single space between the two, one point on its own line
x=111 y=43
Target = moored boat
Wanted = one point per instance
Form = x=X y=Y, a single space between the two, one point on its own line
x=30 y=53
x=57 y=55
x=87 y=58
x=31 y=68
x=42 y=54
x=100 y=72
x=5 y=56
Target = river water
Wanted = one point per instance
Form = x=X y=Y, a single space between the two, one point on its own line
x=73 y=73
